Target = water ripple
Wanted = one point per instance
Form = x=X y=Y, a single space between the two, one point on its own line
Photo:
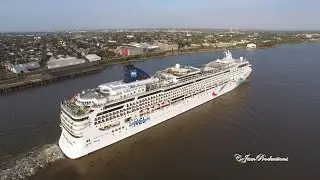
x=29 y=163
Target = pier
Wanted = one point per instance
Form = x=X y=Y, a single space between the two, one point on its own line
x=46 y=77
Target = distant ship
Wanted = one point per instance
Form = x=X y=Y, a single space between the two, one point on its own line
x=96 y=118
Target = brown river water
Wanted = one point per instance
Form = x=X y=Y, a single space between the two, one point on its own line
x=276 y=113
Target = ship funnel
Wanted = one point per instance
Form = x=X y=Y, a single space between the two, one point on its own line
x=132 y=73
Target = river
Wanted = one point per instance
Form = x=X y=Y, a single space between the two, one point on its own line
x=275 y=113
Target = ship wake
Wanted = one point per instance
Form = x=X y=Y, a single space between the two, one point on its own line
x=29 y=163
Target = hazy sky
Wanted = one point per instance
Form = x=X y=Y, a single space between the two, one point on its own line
x=44 y=15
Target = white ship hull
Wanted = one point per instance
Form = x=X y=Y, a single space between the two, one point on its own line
x=78 y=147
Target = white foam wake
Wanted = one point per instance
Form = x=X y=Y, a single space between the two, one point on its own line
x=29 y=163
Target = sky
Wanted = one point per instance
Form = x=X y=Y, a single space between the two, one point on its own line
x=53 y=15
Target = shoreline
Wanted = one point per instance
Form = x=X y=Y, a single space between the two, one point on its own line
x=44 y=77
x=194 y=51
x=177 y=54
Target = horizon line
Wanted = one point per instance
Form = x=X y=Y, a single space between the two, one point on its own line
x=164 y=28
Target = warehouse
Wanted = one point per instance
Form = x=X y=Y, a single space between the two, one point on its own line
x=93 y=57
x=62 y=62
x=22 y=68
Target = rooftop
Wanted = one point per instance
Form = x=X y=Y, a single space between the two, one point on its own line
x=181 y=71
x=91 y=94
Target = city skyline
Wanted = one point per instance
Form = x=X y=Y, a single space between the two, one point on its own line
x=44 y=15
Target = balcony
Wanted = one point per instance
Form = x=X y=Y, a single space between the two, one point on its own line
x=74 y=109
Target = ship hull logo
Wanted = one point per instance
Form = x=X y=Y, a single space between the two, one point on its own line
x=139 y=121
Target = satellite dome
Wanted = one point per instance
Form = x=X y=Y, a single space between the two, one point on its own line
x=177 y=66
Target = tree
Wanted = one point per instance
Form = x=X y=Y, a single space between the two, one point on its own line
x=181 y=45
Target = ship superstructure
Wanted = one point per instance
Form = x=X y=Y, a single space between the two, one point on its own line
x=96 y=118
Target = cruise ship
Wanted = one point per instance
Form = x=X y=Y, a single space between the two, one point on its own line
x=96 y=118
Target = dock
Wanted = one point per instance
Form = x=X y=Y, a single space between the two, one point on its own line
x=48 y=76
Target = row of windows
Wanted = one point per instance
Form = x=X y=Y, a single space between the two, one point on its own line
x=82 y=119
x=132 y=93
x=204 y=83
x=147 y=102
x=242 y=65
x=71 y=124
x=87 y=102
x=150 y=94
x=152 y=97
x=178 y=86
x=118 y=129
x=177 y=98
x=190 y=75
x=116 y=112
x=118 y=103
x=184 y=90
x=110 y=110
x=70 y=131
x=73 y=127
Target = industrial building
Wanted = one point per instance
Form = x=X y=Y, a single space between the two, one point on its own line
x=140 y=48
x=135 y=51
x=22 y=68
x=62 y=62
x=131 y=51
x=93 y=57
x=251 y=45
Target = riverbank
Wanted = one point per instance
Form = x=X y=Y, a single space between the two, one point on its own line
x=167 y=54
x=45 y=76
x=191 y=51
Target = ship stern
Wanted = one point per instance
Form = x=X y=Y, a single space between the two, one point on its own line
x=72 y=147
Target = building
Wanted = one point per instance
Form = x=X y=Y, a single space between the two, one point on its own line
x=18 y=69
x=130 y=51
x=195 y=45
x=62 y=62
x=152 y=49
x=209 y=36
x=93 y=57
x=134 y=44
x=124 y=52
x=112 y=41
x=223 y=44
x=167 y=47
x=135 y=51
x=22 y=68
x=206 y=44
x=32 y=66
x=251 y=45
x=309 y=35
